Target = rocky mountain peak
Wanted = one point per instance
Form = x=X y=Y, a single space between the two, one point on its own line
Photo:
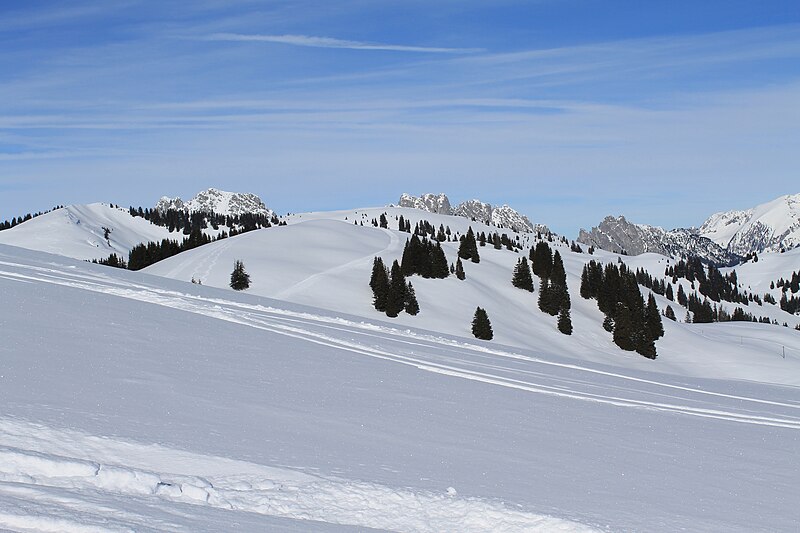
x=217 y=201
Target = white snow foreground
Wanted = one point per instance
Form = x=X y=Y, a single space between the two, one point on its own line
x=134 y=402
x=50 y=464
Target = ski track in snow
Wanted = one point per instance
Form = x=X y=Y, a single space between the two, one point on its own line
x=47 y=465
x=393 y=246
x=448 y=357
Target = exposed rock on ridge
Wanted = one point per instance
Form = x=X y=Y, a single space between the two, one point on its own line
x=216 y=201
x=619 y=235
x=501 y=217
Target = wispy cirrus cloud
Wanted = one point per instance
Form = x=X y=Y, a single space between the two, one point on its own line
x=330 y=42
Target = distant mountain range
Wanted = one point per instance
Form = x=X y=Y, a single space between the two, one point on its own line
x=500 y=216
x=725 y=238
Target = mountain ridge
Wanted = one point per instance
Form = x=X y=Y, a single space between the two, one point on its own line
x=502 y=216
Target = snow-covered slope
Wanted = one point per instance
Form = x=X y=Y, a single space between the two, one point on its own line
x=503 y=217
x=331 y=261
x=616 y=234
x=79 y=231
x=133 y=402
x=770 y=226
x=216 y=201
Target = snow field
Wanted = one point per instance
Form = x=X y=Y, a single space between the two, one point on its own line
x=331 y=261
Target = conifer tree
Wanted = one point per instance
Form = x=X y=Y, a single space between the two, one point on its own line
x=654 y=329
x=438 y=262
x=670 y=313
x=481 y=326
x=395 y=299
x=682 y=300
x=624 y=328
x=542 y=260
x=468 y=249
x=411 y=305
x=240 y=279
x=669 y=294
x=460 y=270
x=564 y=321
x=380 y=284
x=522 y=278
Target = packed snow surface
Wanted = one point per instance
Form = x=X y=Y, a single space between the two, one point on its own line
x=135 y=402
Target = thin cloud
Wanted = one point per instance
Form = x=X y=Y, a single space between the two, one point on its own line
x=329 y=42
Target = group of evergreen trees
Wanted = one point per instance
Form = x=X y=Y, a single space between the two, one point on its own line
x=468 y=249
x=634 y=324
x=192 y=225
x=553 y=292
x=711 y=282
x=391 y=293
x=180 y=220
x=143 y=255
x=426 y=258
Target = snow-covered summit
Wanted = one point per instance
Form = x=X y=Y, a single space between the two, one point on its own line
x=217 y=201
x=501 y=216
x=769 y=226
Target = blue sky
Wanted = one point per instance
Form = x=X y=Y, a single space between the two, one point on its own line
x=567 y=110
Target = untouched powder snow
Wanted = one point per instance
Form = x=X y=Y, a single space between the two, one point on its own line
x=138 y=402
x=324 y=260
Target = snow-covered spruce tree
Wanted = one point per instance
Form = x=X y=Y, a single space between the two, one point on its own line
x=240 y=279
x=379 y=282
x=522 y=278
x=481 y=326
x=410 y=302
x=460 y=274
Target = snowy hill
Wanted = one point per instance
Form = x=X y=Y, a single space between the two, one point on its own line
x=616 y=234
x=330 y=265
x=135 y=402
x=770 y=226
x=503 y=217
x=79 y=231
x=219 y=202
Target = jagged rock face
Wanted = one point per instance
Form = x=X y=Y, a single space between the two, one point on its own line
x=433 y=203
x=506 y=217
x=770 y=226
x=216 y=201
x=476 y=210
x=166 y=203
x=502 y=217
x=618 y=235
